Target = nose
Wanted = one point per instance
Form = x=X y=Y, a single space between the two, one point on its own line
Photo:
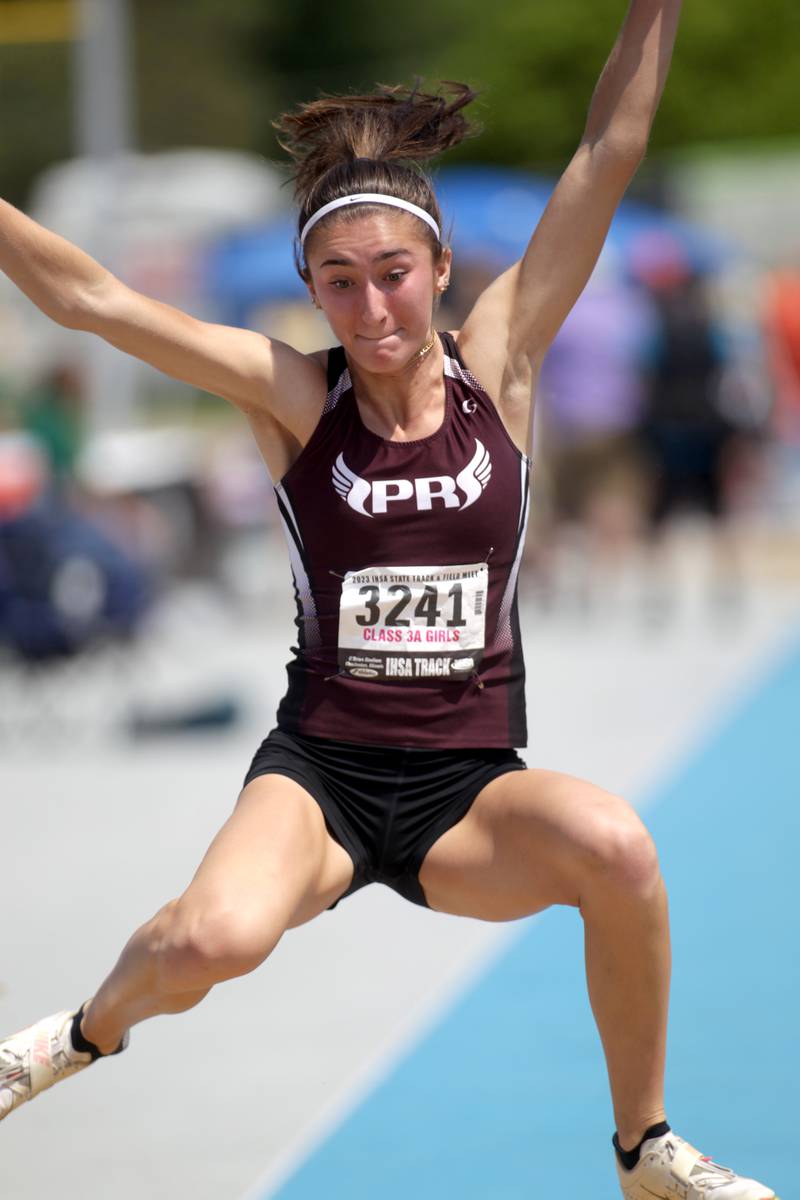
x=373 y=307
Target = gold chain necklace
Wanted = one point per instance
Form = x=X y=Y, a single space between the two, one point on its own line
x=426 y=349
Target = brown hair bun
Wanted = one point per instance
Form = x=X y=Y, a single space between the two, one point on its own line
x=341 y=145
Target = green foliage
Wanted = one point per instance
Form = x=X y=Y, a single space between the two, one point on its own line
x=191 y=87
x=36 y=115
x=536 y=65
x=295 y=51
x=735 y=71
x=216 y=74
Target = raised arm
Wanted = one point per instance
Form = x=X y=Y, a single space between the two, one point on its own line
x=266 y=379
x=522 y=311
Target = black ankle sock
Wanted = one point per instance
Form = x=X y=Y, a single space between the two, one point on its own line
x=83 y=1045
x=629 y=1158
x=79 y=1042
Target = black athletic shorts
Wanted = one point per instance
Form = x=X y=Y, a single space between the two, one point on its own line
x=386 y=805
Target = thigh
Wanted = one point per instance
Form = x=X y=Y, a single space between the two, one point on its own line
x=527 y=842
x=273 y=857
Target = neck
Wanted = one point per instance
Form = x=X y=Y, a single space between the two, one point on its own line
x=407 y=404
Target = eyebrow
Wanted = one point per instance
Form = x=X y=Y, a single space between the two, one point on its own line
x=348 y=262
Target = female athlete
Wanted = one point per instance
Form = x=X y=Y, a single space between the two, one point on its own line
x=401 y=457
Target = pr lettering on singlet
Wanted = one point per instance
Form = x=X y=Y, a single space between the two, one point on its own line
x=413 y=623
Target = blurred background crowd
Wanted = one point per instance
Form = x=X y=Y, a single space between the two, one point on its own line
x=668 y=428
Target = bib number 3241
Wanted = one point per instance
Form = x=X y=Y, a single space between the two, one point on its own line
x=413 y=623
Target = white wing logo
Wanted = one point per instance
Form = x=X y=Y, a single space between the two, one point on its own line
x=357 y=491
x=351 y=487
x=476 y=474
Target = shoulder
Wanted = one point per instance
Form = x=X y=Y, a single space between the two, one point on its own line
x=293 y=391
x=332 y=362
x=284 y=419
x=507 y=375
x=300 y=384
x=454 y=363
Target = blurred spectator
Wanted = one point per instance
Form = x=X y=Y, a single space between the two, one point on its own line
x=683 y=429
x=144 y=487
x=688 y=435
x=782 y=321
x=590 y=407
x=63 y=584
x=592 y=398
x=52 y=414
x=24 y=473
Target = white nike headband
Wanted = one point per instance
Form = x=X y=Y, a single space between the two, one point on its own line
x=369 y=198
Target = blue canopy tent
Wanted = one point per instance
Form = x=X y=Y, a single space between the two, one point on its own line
x=251 y=267
x=494 y=211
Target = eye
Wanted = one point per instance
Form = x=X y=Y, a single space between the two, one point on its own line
x=396 y=275
x=340 y=285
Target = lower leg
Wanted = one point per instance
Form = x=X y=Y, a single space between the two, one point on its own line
x=628 y=972
x=140 y=987
x=132 y=993
x=271 y=866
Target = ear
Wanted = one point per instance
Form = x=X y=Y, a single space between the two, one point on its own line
x=313 y=296
x=441 y=271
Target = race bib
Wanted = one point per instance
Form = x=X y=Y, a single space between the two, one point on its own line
x=413 y=623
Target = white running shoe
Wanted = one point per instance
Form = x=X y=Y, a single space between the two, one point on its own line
x=670 y=1169
x=35 y=1058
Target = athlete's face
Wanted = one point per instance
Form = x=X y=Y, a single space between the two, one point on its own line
x=376 y=281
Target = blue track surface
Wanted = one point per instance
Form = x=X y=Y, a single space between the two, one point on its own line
x=506 y=1099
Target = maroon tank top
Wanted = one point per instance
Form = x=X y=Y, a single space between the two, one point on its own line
x=405 y=558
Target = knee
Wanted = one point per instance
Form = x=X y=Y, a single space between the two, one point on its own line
x=623 y=854
x=195 y=948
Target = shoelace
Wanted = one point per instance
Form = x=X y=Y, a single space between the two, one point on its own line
x=706 y=1176
x=711 y=1175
